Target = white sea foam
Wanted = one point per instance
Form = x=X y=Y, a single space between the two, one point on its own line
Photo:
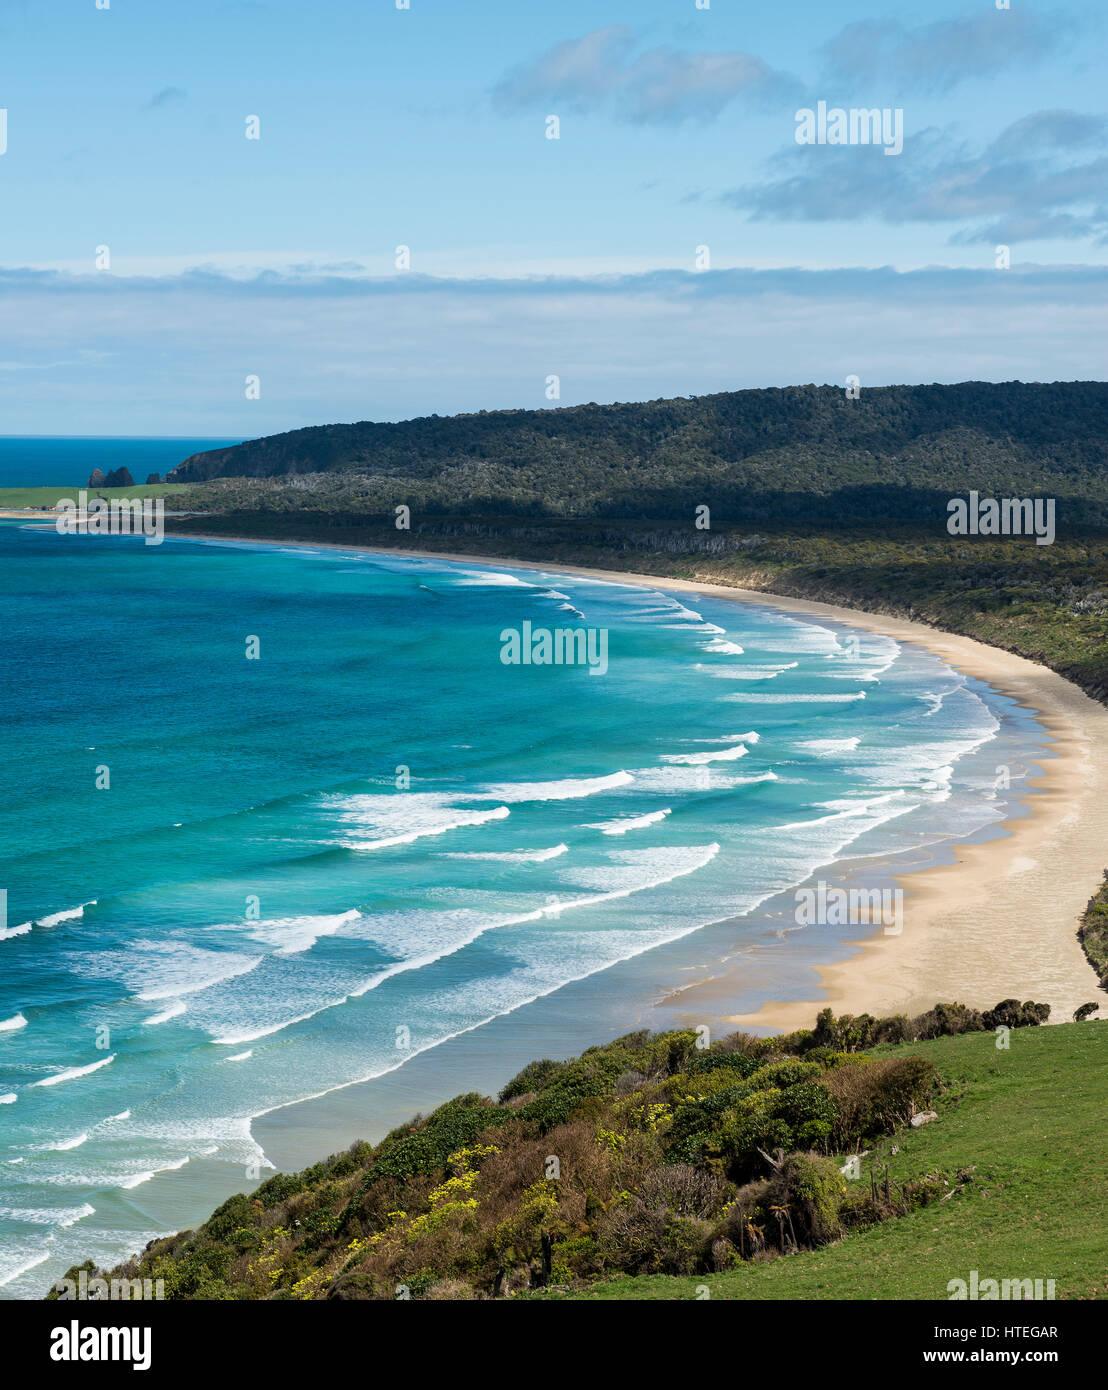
x=757 y=697
x=633 y=871
x=6 y=933
x=622 y=824
x=48 y=1216
x=672 y=781
x=718 y=644
x=68 y=915
x=9 y=1025
x=175 y=1010
x=163 y=969
x=567 y=789
x=137 y=1179
x=10 y=1098
x=374 y=821
x=842 y=810
x=240 y=1056
x=492 y=579
x=71 y=1073
x=745 y=673
x=460 y=928
x=63 y=1144
x=10 y=1273
x=509 y=856
x=829 y=747
x=287 y=936
x=711 y=755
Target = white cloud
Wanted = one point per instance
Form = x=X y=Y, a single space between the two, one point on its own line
x=175 y=352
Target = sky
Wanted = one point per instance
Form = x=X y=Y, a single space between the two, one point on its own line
x=162 y=273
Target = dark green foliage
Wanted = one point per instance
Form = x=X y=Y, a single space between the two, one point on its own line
x=236 y=1212
x=948 y=1020
x=811 y=1189
x=1010 y=1013
x=426 y=1149
x=533 y=1077
x=738 y=1062
x=801 y=453
x=801 y=1116
x=1093 y=932
x=279 y=1189
x=784 y=1073
x=652 y=1136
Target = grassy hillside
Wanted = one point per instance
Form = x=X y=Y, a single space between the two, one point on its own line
x=616 y=1173
x=1029 y=1122
x=799 y=454
x=48 y=496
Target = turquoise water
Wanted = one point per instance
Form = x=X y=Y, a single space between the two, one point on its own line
x=311 y=867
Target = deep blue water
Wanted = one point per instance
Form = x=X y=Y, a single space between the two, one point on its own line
x=256 y=909
x=68 y=462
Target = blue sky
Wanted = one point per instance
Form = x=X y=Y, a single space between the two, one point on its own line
x=533 y=257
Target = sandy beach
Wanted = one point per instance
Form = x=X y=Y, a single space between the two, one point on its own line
x=1001 y=920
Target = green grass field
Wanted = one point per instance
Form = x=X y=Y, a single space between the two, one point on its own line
x=47 y=496
x=1030 y=1121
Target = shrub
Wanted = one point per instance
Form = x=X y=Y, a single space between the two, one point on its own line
x=641 y=1239
x=811 y=1189
x=236 y=1211
x=802 y=1116
x=947 y=1020
x=1010 y=1013
x=740 y=1063
x=533 y=1077
x=741 y=1223
x=874 y=1098
x=783 y=1074
x=683 y=1189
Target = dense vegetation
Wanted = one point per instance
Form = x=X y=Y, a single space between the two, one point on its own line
x=1023 y=1126
x=799 y=454
x=650 y=1155
x=1093 y=932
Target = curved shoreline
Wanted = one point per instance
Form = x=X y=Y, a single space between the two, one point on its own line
x=1002 y=919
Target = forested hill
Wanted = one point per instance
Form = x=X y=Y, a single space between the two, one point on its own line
x=797 y=452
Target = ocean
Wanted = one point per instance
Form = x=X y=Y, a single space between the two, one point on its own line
x=280 y=820
x=42 y=461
